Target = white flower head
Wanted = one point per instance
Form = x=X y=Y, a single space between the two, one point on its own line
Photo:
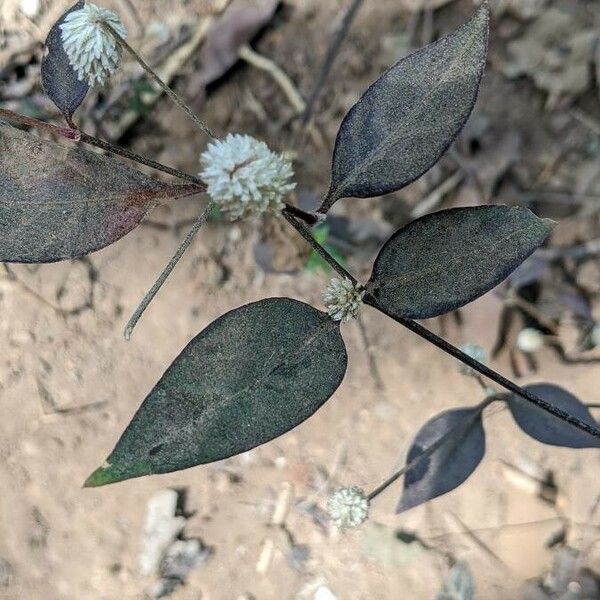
x=244 y=177
x=343 y=299
x=477 y=353
x=530 y=340
x=93 y=51
x=348 y=507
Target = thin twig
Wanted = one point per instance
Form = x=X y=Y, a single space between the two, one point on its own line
x=477 y=541
x=531 y=310
x=139 y=311
x=338 y=37
x=74 y=134
x=437 y=195
x=285 y=83
x=102 y=144
x=66 y=132
x=585 y=119
x=281 y=78
x=165 y=88
x=371 y=361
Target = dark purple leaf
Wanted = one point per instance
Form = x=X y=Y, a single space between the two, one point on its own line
x=59 y=79
x=446 y=259
x=250 y=376
x=548 y=429
x=237 y=26
x=409 y=117
x=451 y=463
x=59 y=202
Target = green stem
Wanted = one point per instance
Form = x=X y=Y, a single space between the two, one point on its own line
x=143 y=305
x=165 y=88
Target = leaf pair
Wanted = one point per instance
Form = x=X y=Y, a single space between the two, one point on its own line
x=456 y=458
x=413 y=276
x=399 y=129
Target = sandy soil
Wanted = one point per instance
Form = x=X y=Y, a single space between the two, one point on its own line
x=69 y=384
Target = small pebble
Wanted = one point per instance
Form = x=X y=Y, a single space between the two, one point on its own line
x=324 y=593
x=30 y=8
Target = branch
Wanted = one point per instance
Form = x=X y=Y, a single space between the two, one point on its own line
x=76 y=135
x=338 y=37
x=165 y=88
x=443 y=344
x=143 y=305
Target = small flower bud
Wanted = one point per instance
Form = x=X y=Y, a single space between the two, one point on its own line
x=93 y=51
x=348 y=507
x=244 y=178
x=477 y=353
x=530 y=340
x=343 y=299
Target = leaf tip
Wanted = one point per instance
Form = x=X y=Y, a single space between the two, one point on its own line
x=101 y=476
x=484 y=10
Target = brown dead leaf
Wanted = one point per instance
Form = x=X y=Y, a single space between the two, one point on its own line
x=557 y=53
x=237 y=26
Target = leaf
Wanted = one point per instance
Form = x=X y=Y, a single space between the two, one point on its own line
x=446 y=259
x=451 y=463
x=548 y=429
x=409 y=117
x=459 y=585
x=250 y=376
x=59 y=79
x=238 y=25
x=59 y=202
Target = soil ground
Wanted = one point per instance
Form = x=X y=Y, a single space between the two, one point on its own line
x=69 y=383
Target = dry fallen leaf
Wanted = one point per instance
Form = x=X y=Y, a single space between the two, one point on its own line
x=556 y=53
x=237 y=26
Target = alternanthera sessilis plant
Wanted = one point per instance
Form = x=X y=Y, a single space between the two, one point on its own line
x=261 y=369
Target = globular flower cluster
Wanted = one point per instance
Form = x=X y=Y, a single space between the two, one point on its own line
x=343 y=299
x=348 y=507
x=92 y=50
x=244 y=178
